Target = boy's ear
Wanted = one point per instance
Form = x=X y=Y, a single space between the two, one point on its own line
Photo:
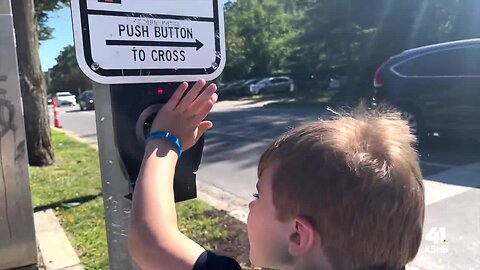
x=302 y=237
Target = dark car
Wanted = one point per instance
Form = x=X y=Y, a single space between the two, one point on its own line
x=228 y=90
x=244 y=88
x=436 y=87
x=87 y=100
x=239 y=88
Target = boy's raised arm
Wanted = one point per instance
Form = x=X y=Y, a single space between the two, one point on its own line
x=154 y=239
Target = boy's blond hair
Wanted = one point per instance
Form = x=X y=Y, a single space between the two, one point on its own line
x=357 y=179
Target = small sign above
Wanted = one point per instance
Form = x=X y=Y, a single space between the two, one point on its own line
x=143 y=41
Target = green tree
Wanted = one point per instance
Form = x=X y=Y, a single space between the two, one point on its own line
x=328 y=43
x=318 y=38
x=42 y=9
x=402 y=25
x=258 y=33
x=40 y=151
x=29 y=20
x=354 y=37
x=66 y=74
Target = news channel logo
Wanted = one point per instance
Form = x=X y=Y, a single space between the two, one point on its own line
x=437 y=240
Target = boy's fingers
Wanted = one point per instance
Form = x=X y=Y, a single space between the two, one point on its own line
x=203 y=111
x=203 y=127
x=207 y=96
x=191 y=95
x=176 y=97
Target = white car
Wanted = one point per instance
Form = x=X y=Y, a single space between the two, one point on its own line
x=66 y=98
x=272 y=85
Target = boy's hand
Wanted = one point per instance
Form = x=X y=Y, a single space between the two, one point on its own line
x=184 y=117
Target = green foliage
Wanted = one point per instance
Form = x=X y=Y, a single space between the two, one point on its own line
x=258 y=33
x=76 y=174
x=66 y=74
x=197 y=220
x=42 y=7
x=318 y=39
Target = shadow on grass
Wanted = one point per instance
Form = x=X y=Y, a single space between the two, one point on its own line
x=68 y=203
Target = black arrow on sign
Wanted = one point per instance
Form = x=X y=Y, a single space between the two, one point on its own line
x=197 y=44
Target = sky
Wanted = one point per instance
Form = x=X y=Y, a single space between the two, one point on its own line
x=61 y=21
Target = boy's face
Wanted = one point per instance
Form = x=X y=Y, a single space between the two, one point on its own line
x=268 y=237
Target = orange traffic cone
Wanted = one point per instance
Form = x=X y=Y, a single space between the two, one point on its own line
x=56 y=114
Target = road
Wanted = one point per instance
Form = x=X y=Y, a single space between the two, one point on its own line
x=451 y=171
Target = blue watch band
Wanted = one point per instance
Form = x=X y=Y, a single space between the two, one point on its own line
x=169 y=136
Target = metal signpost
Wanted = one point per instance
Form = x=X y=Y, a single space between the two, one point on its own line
x=137 y=52
x=17 y=233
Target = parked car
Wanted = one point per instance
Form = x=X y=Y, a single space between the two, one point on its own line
x=239 y=88
x=337 y=82
x=86 y=101
x=66 y=98
x=273 y=85
x=228 y=90
x=244 y=89
x=436 y=87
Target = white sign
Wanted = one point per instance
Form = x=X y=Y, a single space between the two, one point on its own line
x=142 y=41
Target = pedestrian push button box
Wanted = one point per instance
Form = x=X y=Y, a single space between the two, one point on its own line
x=134 y=106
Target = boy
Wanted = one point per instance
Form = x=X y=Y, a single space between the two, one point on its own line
x=339 y=194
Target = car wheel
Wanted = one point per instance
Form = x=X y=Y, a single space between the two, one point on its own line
x=415 y=122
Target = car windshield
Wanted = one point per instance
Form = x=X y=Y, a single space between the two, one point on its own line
x=64 y=94
x=90 y=94
x=264 y=81
x=251 y=81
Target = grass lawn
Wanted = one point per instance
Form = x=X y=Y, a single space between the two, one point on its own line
x=76 y=177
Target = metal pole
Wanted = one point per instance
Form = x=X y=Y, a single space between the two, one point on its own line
x=17 y=232
x=114 y=182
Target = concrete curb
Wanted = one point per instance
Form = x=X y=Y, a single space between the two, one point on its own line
x=56 y=251
x=55 y=248
x=218 y=198
x=74 y=136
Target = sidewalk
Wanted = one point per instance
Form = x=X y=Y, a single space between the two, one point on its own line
x=55 y=251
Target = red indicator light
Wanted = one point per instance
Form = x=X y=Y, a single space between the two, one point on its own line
x=160 y=91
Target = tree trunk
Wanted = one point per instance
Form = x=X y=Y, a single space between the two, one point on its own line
x=32 y=82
